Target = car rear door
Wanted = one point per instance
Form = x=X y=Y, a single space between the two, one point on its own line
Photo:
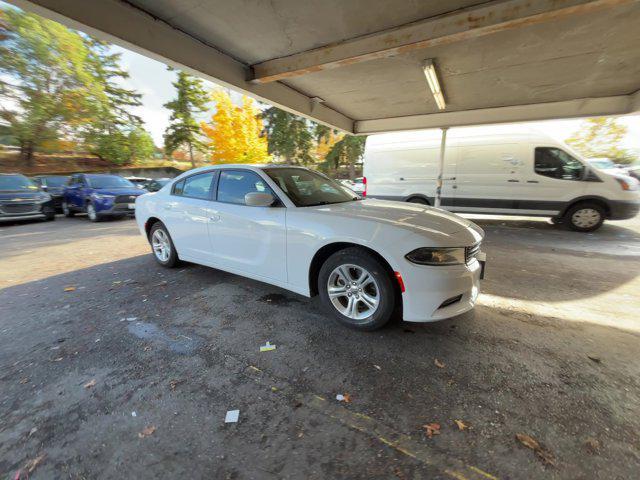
x=246 y=239
x=187 y=213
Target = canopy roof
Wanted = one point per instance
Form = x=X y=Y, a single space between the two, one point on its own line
x=358 y=64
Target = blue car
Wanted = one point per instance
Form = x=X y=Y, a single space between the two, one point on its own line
x=100 y=196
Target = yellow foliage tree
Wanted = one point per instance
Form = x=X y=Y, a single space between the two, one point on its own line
x=234 y=132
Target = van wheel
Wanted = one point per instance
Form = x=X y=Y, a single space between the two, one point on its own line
x=418 y=200
x=584 y=217
x=355 y=288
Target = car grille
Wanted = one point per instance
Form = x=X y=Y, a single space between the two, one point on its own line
x=125 y=199
x=19 y=208
x=471 y=252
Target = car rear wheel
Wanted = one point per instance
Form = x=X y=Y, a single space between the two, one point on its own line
x=356 y=289
x=584 y=217
x=92 y=214
x=66 y=210
x=162 y=246
x=418 y=200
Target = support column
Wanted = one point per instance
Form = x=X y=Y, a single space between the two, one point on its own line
x=443 y=144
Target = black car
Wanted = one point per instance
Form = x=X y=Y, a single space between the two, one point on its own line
x=54 y=186
x=21 y=199
x=155 y=184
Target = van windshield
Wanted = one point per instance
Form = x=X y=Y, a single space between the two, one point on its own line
x=307 y=188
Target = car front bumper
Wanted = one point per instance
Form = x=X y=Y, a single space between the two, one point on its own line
x=435 y=293
x=623 y=210
x=28 y=210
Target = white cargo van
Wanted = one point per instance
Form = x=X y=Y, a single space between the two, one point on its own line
x=500 y=170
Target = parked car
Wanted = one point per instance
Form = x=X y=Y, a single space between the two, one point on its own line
x=155 y=184
x=300 y=230
x=501 y=171
x=21 y=199
x=138 y=181
x=100 y=196
x=54 y=186
x=606 y=165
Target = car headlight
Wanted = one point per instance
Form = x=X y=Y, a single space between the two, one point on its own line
x=101 y=196
x=45 y=197
x=437 y=256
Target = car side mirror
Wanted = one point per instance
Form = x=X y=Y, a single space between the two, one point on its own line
x=258 y=199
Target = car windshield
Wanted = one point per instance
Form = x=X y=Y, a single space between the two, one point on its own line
x=56 y=181
x=110 y=182
x=306 y=188
x=13 y=183
x=602 y=163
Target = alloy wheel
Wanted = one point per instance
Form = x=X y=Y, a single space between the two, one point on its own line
x=585 y=218
x=353 y=291
x=161 y=245
x=91 y=212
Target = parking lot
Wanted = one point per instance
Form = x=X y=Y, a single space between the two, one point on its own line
x=113 y=367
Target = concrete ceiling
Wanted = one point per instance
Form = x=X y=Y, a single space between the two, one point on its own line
x=498 y=61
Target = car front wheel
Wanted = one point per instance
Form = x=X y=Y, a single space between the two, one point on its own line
x=585 y=217
x=92 y=214
x=162 y=246
x=357 y=289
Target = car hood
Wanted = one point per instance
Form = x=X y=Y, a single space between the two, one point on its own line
x=412 y=216
x=119 y=191
x=20 y=195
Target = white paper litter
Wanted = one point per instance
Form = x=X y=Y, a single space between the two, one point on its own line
x=340 y=397
x=267 y=347
x=232 y=416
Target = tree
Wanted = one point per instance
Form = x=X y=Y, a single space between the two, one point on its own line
x=44 y=80
x=601 y=137
x=290 y=137
x=349 y=150
x=183 y=129
x=235 y=132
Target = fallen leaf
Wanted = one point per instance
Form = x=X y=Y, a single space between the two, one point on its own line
x=546 y=456
x=147 y=348
x=461 y=425
x=438 y=363
x=147 y=431
x=528 y=441
x=593 y=445
x=59 y=359
x=70 y=288
x=174 y=383
x=432 y=429
x=31 y=465
x=91 y=383
x=377 y=367
x=594 y=358
x=24 y=380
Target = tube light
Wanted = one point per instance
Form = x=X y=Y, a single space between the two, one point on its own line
x=429 y=69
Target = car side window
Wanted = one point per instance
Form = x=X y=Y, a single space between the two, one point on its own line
x=556 y=163
x=235 y=184
x=195 y=186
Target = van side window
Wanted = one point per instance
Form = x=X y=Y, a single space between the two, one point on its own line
x=555 y=163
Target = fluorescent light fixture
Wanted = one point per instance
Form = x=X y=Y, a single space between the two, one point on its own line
x=429 y=69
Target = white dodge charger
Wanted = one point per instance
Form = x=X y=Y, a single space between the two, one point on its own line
x=300 y=230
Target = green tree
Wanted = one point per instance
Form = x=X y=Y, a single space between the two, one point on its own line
x=349 y=150
x=44 y=82
x=183 y=129
x=290 y=136
x=601 y=137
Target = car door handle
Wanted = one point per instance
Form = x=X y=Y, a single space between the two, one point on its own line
x=214 y=218
x=533 y=181
x=401 y=178
x=513 y=181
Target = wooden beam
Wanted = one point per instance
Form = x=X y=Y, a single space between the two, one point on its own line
x=579 y=108
x=486 y=19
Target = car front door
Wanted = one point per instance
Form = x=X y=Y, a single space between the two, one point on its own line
x=187 y=213
x=74 y=192
x=248 y=239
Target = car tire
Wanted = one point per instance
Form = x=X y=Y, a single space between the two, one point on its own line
x=92 y=214
x=66 y=210
x=418 y=200
x=584 y=217
x=162 y=246
x=350 y=302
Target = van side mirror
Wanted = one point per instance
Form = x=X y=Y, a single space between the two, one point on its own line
x=258 y=199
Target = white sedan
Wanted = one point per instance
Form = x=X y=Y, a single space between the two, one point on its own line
x=298 y=229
